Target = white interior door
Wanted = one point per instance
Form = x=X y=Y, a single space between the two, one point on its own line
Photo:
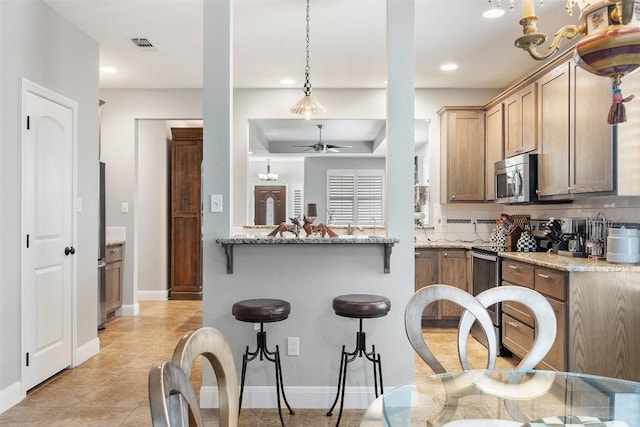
x=48 y=227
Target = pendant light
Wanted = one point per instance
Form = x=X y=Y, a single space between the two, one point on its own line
x=268 y=176
x=307 y=106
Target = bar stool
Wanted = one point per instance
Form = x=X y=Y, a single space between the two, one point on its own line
x=359 y=306
x=263 y=311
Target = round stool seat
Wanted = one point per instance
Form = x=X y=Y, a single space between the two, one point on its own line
x=361 y=305
x=261 y=310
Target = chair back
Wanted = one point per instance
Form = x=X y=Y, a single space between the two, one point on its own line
x=211 y=344
x=167 y=383
x=476 y=310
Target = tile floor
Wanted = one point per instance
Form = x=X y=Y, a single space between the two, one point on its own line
x=110 y=389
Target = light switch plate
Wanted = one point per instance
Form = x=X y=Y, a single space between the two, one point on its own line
x=216 y=203
x=125 y=207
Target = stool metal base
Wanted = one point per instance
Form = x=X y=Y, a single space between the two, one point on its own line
x=348 y=357
x=271 y=356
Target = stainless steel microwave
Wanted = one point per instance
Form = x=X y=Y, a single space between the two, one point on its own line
x=516 y=179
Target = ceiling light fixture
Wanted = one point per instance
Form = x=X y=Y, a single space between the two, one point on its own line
x=610 y=48
x=449 y=67
x=307 y=106
x=287 y=81
x=494 y=11
x=268 y=176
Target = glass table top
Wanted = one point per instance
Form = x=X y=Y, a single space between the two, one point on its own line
x=508 y=398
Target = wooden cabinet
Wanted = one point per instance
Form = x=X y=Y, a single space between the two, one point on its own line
x=462 y=154
x=494 y=148
x=518 y=324
x=520 y=121
x=575 y=142
x=186 y=242
x=442 y=266
x=114 y=278
x=553 y=123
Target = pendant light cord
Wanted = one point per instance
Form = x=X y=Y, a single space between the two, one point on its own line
x=307 y=68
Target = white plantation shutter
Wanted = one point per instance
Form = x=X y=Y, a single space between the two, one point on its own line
x=355 y=196
x=297 y=203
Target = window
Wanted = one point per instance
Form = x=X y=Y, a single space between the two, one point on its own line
x=355 y=196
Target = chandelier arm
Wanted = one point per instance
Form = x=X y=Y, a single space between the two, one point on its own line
x=530 y=42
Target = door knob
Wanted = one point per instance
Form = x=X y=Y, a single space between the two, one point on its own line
x=69 y=250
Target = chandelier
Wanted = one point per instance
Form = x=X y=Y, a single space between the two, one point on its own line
x=307 y=106
x=268 y=176
x=610 y=47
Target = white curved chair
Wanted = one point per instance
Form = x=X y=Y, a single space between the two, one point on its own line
x=476 y=309
x=211 y=344
x=167 y=382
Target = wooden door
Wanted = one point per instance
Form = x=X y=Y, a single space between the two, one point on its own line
x=426 y=273
x=48 y=223
x=186 y=241
x=592 y=153
x=270 y=203
x=494 y=148
x=553 y=123
x=454 y=271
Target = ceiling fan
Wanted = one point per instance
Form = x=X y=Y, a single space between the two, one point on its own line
x=321 y=147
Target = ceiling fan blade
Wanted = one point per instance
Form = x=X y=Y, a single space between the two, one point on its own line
x=333 y=150
x=338 y=146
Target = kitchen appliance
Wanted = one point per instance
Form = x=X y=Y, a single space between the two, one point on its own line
x=623 y=245
x=486 y=268
x=573 y=237
x=516 y=179
x=102 y=253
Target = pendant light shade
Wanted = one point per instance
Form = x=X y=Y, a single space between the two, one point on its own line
x=307 y=106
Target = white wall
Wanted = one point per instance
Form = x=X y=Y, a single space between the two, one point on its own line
x=153 y=208
x=122 y=109
x=39 y=45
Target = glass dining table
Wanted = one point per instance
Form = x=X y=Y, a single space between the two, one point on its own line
x=508 y=398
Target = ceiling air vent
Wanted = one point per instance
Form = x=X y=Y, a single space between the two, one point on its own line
x=143 y=43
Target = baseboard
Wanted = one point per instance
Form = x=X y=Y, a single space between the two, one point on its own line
x=128 y=310
x=153 y=295
x=11 y=396
x=298 y=397
x=87 y=351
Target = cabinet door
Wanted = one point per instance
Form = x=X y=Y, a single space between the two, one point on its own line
x=553 y=125
x=454 y=271
x=114 y=286
x=520 y=124
x=591 y=137
x=494 y=147
x=426 y=273
x=556 y=357
x=465 y=156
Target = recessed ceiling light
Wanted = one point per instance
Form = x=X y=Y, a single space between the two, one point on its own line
x=108 y=70
x=449 y=67
x=494 y=12
x=287 y=81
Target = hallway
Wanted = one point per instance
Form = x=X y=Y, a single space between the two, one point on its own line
x=110 y=389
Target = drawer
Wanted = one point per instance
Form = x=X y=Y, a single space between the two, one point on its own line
x=518 y=312
x=516 y=336
x=551 y=283
x=114 y=253
x=517 y=273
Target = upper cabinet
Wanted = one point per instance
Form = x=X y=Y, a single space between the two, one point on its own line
x=494 y=147
x=520 y=124
x=462 y=157
x=575 y=144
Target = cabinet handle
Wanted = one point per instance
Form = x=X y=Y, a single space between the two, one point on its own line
x=513 y=267
x=544 y=276
x=453 y=197
x=446 y=254
x=513 y=324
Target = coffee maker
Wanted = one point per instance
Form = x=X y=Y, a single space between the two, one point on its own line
x=573 y=238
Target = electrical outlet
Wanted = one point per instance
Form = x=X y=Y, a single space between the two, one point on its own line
x=293 y=346
x=474 y=221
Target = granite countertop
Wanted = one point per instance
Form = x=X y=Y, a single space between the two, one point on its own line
x=446 y=244
x=564 y=263
x=261 y=240
x=115 y=242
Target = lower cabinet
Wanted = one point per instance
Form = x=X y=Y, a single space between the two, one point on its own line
x=518 y=324
x=114 y=278
x=442 y=266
